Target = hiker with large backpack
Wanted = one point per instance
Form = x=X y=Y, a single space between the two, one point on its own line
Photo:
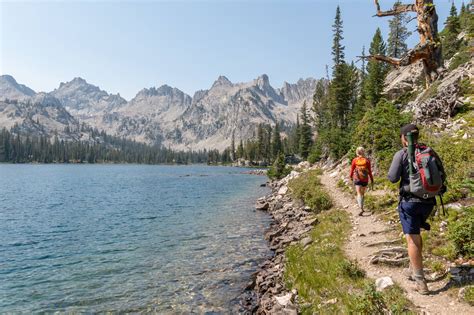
x=421 y=175
x=360 y=174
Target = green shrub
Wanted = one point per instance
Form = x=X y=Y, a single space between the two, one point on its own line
x=307 y=187
x=315 y=153
x=458 y=159
x=370 y=302
x=379 y=132
x=463 y=56
x=469 y=295
x=461 y=233
x=279 y=169
x=351 y=269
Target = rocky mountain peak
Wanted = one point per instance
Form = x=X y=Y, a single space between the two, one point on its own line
x=11 y=89
x=81 y=97
x=263 y=82
x=222 y=81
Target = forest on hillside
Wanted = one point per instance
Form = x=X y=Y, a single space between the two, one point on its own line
x=350 y=109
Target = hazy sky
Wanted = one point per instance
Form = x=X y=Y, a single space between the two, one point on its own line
x=124 y=46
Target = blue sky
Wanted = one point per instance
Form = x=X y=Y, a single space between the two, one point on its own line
x=126 y=46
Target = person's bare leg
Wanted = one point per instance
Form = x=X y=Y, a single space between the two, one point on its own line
x=415 y=247
x=362 y=195
x=359 y=198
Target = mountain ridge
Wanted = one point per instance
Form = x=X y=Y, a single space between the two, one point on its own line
x=166 y=115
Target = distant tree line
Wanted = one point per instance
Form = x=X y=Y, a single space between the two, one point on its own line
x=27 y=148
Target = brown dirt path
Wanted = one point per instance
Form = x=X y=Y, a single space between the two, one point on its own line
x=368 y=230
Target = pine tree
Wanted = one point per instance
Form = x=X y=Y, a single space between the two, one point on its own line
x=305 y=133
x=295 y=136
x=232 y=147
x=398 y=35
x=466 y=19
x=260 y=142
x=337 y=48
x=276 y=141
x=363 y=68
x=451 y=32
x=376 y=71
x=240 y=150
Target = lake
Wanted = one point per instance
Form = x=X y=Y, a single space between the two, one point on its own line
x=127 y=238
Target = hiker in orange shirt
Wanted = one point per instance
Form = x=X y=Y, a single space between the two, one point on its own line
x=361 y=172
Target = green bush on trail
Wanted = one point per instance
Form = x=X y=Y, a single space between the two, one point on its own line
x=279 y=169
x=461 y=232
x=458 y=162
x=379 y=133
x=307 y=187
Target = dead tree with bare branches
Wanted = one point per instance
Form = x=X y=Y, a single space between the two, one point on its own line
x=429 y=48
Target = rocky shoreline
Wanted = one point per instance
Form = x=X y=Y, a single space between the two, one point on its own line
x=292 y=221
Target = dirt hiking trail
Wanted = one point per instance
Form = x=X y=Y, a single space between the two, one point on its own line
x=370 y=235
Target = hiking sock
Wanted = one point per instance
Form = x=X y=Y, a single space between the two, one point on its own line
x=359 y=201
x=362 y=203
x=418 y=274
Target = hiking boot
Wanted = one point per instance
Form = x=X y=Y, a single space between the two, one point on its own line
x=421 y=286
x=361 y=213
x=407 y=273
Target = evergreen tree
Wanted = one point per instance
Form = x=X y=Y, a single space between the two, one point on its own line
x=278 y=170
x=398 y=35
x=320 y=105
x=295 y=136
x=466 y=19
x=260 y=142
x=363 y=69
x=450 y=33
x=232 y=147
x=276 y=141
x=337 y=48
x=376 y=71
x=240 y=150
x=305 y=133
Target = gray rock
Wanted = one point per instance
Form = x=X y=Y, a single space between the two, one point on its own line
x=383 y=282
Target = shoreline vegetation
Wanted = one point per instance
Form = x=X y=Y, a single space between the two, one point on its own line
x=310 y=271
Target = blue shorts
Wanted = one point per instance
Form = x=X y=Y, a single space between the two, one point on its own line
x=413 y=215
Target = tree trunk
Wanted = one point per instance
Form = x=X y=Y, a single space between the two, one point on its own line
x=429 y=48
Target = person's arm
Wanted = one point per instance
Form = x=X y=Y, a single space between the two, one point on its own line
x=352 y=170
x=395 y=171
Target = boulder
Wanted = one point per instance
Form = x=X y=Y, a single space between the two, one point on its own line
x=383 y=282
x=262 y=206
x=283 y=190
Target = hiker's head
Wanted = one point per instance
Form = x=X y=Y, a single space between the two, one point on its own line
x=360 y=151
x=407 y=129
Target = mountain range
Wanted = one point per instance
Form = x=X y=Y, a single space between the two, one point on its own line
x=163 y=116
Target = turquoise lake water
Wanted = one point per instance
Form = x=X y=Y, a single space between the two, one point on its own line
x=127 y=238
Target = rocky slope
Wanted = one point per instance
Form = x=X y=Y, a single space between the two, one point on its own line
x=85 y=100
x=40 y=115
x=10 y=89
x=441 y=101
x=167 y=116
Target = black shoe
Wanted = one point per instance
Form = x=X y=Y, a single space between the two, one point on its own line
x=426 y=226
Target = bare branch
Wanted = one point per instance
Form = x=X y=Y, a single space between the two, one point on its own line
x=390 y=60
x=397 y=9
